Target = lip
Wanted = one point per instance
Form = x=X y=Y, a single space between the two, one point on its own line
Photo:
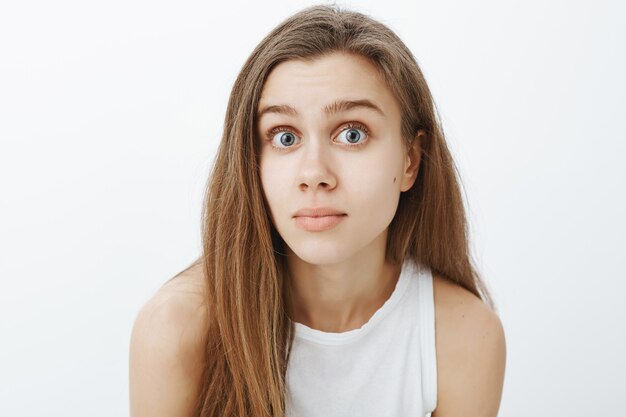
x=318 y=223
x=317 y=219
x=318 y=212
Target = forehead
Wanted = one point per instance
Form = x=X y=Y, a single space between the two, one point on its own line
x=323 y=80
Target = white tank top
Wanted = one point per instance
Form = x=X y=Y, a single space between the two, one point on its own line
x=387 y=367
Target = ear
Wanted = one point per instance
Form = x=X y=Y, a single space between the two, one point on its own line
x=412 y=162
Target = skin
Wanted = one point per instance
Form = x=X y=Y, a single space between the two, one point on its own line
x=167 y=345
x=340 y=277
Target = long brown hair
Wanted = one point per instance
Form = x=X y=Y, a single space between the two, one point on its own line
x=250 y=334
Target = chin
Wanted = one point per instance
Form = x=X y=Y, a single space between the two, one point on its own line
x=320 y=254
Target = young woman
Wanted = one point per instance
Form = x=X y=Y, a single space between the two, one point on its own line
x=335 y=278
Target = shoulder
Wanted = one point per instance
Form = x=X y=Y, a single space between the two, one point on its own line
x=471 y=353
x=167 y=348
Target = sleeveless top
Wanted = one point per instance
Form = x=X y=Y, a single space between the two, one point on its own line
x=387 y=367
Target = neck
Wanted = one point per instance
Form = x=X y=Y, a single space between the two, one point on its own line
x=343 y=296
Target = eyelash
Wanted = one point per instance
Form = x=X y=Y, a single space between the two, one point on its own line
x=352 y=125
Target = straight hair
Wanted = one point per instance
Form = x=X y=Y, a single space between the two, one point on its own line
x=250 y=334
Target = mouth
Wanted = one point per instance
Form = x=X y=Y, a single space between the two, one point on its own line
x=319 y=223
x=318 y=212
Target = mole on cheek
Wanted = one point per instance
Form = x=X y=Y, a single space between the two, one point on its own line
x=394 y=179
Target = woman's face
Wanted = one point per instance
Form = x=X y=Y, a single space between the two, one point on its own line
x=330 y=137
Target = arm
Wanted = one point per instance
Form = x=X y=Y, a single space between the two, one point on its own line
x=471 y=360
x=166 y=356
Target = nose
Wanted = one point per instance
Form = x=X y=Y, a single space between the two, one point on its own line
x=314 y=172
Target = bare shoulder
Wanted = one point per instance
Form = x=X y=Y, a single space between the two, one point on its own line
x=178 y=306
x=167 y=348
x=471 y=353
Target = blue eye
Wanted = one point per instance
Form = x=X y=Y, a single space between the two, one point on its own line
x=353 y=135
x=282 y=138
x=286 y=139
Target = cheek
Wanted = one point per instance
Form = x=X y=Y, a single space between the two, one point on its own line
x=271 y=181
x=373 y=188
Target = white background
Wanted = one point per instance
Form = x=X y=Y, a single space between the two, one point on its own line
x=110 y=114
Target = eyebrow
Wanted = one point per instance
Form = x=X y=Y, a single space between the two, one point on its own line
x=330 y=109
